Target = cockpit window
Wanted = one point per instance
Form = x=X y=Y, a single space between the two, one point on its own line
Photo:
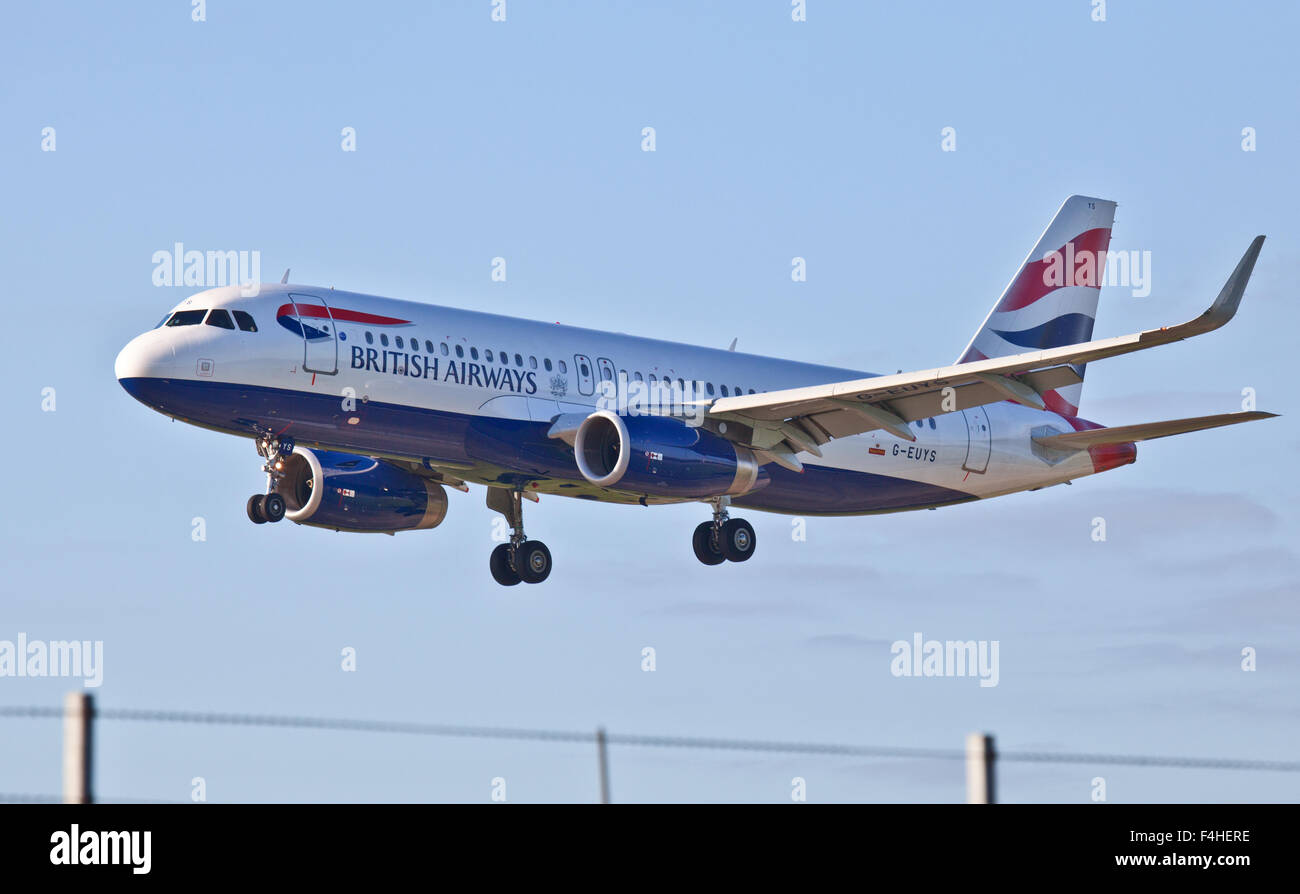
x=187 y=318
x=165 y=318
x=245 y=321
x=219 y=317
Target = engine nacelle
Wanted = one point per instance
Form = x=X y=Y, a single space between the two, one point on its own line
x=662 y=456
x=346 y=492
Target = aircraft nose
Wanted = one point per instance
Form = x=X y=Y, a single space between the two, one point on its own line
x=144 y=357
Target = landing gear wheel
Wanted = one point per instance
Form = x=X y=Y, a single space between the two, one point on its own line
x=270 y=507
x=532 y=561
x=705 y=550
x=502 y=572
x=255 y=510
x=521 y=559
x=737 y=540
x=273 y=507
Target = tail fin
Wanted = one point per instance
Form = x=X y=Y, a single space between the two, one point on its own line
x=1051 y=302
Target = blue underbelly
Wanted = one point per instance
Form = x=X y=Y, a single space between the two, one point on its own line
x=517 y=446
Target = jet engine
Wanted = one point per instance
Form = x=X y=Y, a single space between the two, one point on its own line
x=662 y=456
x=346 y=492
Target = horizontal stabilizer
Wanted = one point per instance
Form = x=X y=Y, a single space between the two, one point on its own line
x=1124 y=434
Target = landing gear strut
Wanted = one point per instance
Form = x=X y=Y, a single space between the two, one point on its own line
x=270 y=507
x=520 y=559
x=724 y=539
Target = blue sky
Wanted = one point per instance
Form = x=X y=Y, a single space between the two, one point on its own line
x=775 y=139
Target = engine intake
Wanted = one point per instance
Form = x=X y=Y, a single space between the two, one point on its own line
x=662 y=456
x=346 y=492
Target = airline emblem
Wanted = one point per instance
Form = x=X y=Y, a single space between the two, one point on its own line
x=308 y=320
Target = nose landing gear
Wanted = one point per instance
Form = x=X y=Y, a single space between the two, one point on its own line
x=521 y=559
x=270 y=507
x=724 y=539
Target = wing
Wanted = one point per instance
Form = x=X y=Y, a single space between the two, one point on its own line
x=795 y=420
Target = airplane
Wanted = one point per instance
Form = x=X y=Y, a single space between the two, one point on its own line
x=366 y=409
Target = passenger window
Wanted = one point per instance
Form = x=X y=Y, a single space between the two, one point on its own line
x=932 y=425
x=519 y=361
x=724 y=391
x=220 y=318
x=399 y=341
x=564 y=367
x=442 y=348
x=187 y=318
x=532 y=363
x=487 y=354
x=428 y=346
x=637 y=376
x=582 y=370
x=473 y=353
x=460 y=352
x=383 y=339
x=547 y=364
x=709 y=388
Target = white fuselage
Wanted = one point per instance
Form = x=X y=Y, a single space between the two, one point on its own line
x=478 y=377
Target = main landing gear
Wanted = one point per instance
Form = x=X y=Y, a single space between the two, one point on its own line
x=521 y=559
x=270 y=507
x=724 y=539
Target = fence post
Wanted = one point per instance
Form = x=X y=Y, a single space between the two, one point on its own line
x=979 y=769
x=603 y=756
x=78 y=726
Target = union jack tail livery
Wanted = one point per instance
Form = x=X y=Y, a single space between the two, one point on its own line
x=1051 y=302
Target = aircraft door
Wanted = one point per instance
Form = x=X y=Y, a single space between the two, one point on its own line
x=319 y=341
x=979 y=440
x=586 y=377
